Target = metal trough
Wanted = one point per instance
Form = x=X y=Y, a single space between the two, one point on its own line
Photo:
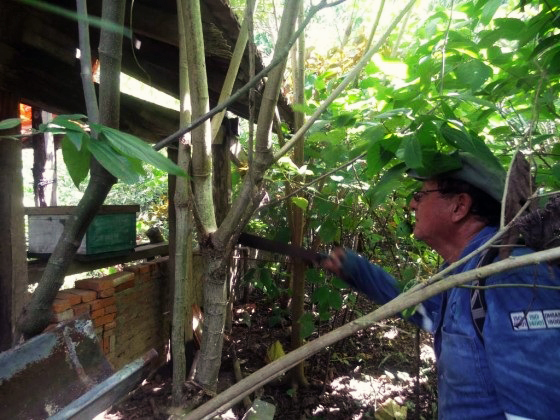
x=42 y=376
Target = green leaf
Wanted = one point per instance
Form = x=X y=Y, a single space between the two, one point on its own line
x=76 y=160
x=312 y=275
x=77 y=138
x=468 y=143
x=328 y=231
x=387 y=184
x=132 y=146
x=554 y=64
x=335 y=299
x=69 y=121
x=307 y=324
x=545 y=44
x=380 y=154
x=301 y=202
x=321 y=295
x=489 y=9
x=339 y=283
x=118 y=165
x=556 y=171
x=556 y=151
x=510 y=28
x=473 y=73
x=9 y=123
x=412 y=152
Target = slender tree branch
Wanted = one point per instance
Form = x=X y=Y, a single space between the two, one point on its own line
x=375 y=25
x=251 y=83
x=508 y=285
x=85 y=63
x=444 y=46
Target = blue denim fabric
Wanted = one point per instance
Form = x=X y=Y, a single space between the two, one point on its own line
x=515 y=369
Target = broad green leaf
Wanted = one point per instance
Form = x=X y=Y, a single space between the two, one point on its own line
x=392 y=113
x=274 y=352
x=545 y=44
x=380 y=154
x=9 y=123
x=328 y=231
x=556 y=171
x=554 y=64
x=76 y=160
x=118 y=165
x=387 y=184
x=339 y=283
x=301 y=202
x=468 y=143
x=335 y=299
x=412 y=152
x=70 y=122
x=321 y=294
x=473 y=73
x=447 y=111
x=77 y=138
x=510 y=28
x=307 y=324
x=312 y=275
x=132 y=146
x=489 y=9
x=555 y=152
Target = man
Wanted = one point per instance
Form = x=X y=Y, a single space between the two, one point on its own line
x=511 y=368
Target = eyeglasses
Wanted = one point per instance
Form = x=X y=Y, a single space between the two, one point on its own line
x=417 y=196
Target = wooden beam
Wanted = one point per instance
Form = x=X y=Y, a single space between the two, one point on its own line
x=13 y=271
x=85 y=263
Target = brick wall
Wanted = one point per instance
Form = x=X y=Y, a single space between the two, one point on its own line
x=126 y=309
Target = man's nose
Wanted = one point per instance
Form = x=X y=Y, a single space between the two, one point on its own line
x=412 y=204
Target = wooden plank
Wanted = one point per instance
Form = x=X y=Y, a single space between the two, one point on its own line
x=67 y=210
x=105 y=394
x=13 y=273
x=85 y=263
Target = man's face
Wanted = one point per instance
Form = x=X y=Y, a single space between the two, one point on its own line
x=433 y=214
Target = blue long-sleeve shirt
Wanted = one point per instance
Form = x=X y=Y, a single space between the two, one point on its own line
x=515 y=369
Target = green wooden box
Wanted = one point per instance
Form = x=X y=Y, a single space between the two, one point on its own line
x=112 y=229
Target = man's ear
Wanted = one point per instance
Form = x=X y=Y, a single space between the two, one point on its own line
x=462 y=206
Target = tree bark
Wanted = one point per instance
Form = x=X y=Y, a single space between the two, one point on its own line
x=181 y=326
x=36 y=315
x=297 y=225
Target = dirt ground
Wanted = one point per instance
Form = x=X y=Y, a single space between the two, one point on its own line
x=384 y=372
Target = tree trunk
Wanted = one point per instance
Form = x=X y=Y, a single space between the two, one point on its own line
x=297 y=226
x=181 y=326
x=36 y=315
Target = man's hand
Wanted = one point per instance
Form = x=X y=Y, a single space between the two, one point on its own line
x=334 y=261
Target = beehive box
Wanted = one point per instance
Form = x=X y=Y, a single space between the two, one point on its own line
x=112 y=229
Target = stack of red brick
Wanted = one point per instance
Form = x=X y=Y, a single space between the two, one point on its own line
x=96 y=297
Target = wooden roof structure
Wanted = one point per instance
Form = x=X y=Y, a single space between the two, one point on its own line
x=38 y=59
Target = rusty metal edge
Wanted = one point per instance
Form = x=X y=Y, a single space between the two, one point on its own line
x=105 y=394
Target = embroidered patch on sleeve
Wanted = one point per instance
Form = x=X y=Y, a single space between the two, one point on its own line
x=552 y=318
x=535 y=320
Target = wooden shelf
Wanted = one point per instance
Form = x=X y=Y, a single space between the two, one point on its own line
x=83 y=263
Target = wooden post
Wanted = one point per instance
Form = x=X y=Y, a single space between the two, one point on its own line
x=13 y=266
x=44 y=162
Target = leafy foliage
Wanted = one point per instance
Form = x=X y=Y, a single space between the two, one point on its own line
x=120 y=153
x=483 y=78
